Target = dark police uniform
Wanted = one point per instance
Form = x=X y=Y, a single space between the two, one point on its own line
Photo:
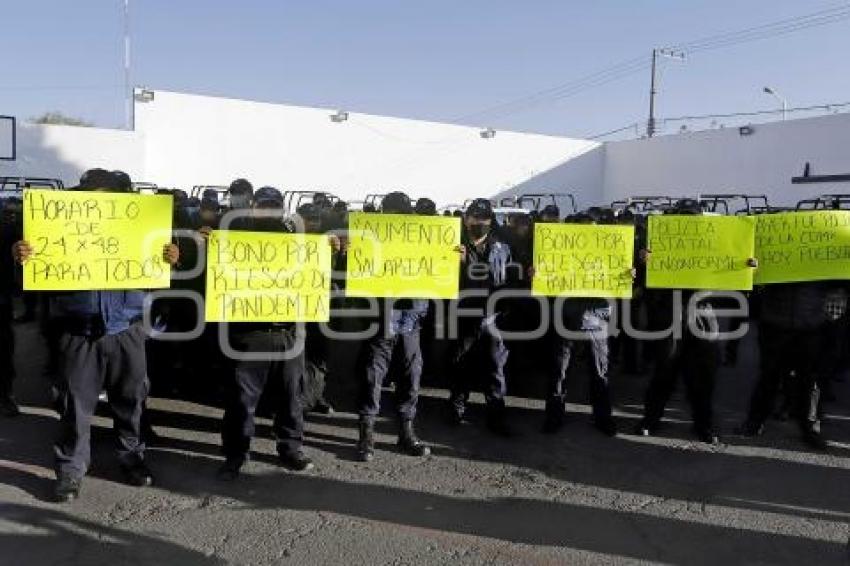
x=101 y=346
x=8 y=236
x=794 y=323
x=695 y=358
x=590 y=318
x=399 y=339
x=480 y=351
x=250 y=377
x=247 y=385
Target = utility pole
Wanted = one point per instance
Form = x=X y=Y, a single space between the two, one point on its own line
x=128 y=89
x=671 y=54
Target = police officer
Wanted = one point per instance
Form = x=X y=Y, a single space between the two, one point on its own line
x=479 y=351
x=101 y=346
x=397 y=339
x=250 y=377
x=589 y=319
x=694 y=357
x=10 y=232
x=425 y=207
x=793 y=326
x=316 y=346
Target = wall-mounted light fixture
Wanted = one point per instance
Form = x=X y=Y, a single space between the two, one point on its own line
x=487 y=134
x=340 y=116
x=143 y=95
x=746 y=130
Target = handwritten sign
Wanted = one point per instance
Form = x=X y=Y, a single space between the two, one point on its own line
x=701 y=252
x=576 y=260
x=403 y=255
x=96 y=240
x=267 y=277
x=803 y=246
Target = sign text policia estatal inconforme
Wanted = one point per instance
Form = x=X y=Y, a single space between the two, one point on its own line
x=576 y=260
x=89 y=240
x=700 y=252
x=403 y=255
x=268 y=277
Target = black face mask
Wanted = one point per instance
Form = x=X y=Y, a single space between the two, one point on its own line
x=478 y=231
x=240 y=201
x=268 y=224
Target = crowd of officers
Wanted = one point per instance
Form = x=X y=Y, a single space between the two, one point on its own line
x=96 y=341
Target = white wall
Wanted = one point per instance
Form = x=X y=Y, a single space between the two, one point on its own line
x=580 y=173
x=724 y=161
x=183 y=140
x=195 y=140
x=64 y=152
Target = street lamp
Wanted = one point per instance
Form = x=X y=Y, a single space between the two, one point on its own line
x=781 y=99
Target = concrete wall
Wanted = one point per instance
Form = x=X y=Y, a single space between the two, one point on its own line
x=183 y=140
x=205 y=140
x=580 y=173
x=725 y=161
x=64 y=152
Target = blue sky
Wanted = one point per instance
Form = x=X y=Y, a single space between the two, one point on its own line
x=437 y=60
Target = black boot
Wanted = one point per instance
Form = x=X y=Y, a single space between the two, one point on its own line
x=67 y=488
x=497 y=423
x=813 y=437
x=409 y=443
x=366 y=444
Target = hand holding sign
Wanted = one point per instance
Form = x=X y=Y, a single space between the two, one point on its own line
x=21 y=251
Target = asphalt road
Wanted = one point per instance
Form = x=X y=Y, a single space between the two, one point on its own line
x=577 y=497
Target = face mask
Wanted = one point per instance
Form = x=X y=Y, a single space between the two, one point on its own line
x=268 y=224
x=478 y=231
x=239 y=201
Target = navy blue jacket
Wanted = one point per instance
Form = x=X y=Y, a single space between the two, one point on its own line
x=91 y=313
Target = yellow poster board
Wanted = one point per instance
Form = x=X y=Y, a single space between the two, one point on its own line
x=701 y=252
x=267 y=277
x=89 y=240
x=403 y=255
x=803 y=246
x=580 y=260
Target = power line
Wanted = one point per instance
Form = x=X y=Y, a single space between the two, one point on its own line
x=757 y=112
x=624 y=66
x=612 y=132
x=827 y=107
x=638 y=64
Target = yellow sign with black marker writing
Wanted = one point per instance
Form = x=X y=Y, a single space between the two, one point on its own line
x=403 y=255
x=92 y=240
x=803 y=246
x=701 y=252
x=268 y=277
x=578 y=260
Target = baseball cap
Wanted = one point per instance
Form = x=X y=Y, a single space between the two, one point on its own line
x=396 y=203
x=480 y=208
x=425 y=206
x=98 y=179
x=269 y=197
x=241 y=187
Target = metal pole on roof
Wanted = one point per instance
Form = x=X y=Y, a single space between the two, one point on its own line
x=670 y=53
x=128 y=90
